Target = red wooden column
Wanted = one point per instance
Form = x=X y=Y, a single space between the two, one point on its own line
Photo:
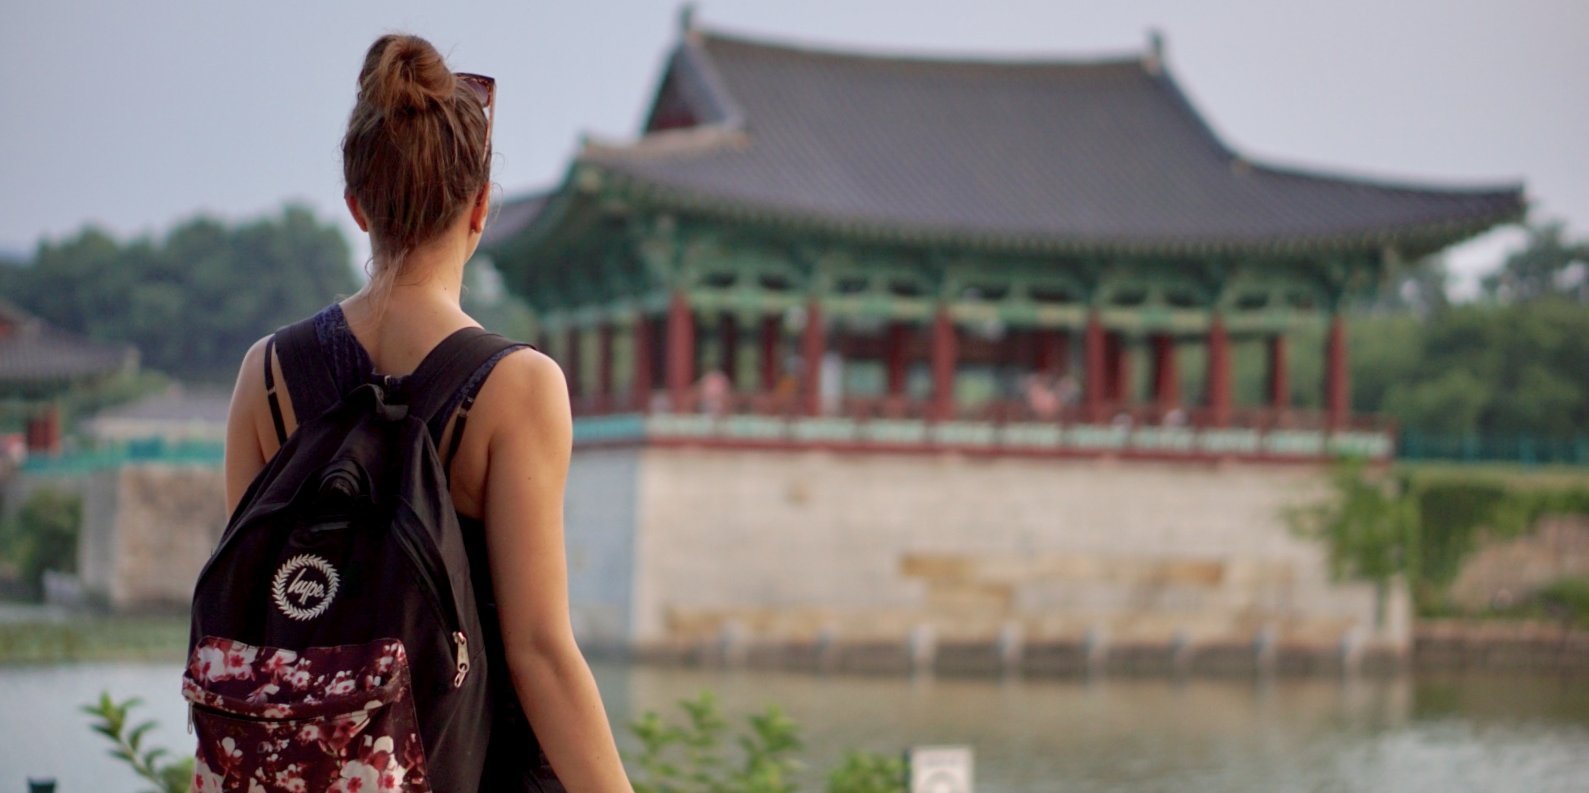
x=943 y=365
x=1166 y=377
x=1093 y=378
x=1041 y=353
x=640 y=390
x=1279 y=374
x=573 y=369
x=1219 y=404
x=1052 y=353
x=43 y=432
x=1337 y=391
x=813 y=345
x=1117 y=364
x=728 y=341
x=604 y=365
x=681 y=352
x=898 y=336
x=771 y=330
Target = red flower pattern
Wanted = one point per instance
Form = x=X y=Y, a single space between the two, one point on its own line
x=334 y=719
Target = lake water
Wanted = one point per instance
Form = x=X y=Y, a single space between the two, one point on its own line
x=1432 y=734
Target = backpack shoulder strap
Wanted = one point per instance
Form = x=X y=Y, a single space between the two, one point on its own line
x=447 y=369
x=270 y=391
x=304 y=365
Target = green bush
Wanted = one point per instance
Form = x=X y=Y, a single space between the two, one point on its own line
x=676 y=757
x=42 y=536
x=1424 y=526
x=867 y=772
x=1370 y=528
x=111 y=721
x=1568 y=599
x=1451 y=514
x=688 y=757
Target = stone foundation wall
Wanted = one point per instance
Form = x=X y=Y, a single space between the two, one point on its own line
x=812 y=552
x=148 y=529
x=1502 y=573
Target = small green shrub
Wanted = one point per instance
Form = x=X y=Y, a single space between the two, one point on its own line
x=110 y=720
x=1568 y=599
x=1425 y=526
x=688 y=757
x=676 y=757
x=42 y=536
x=868 y=772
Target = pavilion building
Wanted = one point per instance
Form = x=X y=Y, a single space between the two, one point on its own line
x=39 y=363
x=822 y=258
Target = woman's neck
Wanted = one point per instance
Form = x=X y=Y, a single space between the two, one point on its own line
x=423 y=300
x=430 y=276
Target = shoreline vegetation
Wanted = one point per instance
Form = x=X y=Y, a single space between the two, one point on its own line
x=1494 y=643
x=93 y=638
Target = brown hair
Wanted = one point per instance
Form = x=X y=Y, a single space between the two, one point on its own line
x=415 y=154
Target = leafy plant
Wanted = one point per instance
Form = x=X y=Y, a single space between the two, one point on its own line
x=867 y=772
x=1370 y=528
x=111 y=721
x=1426 y=525
x=688 y=757
x=43 y=536
x=1567 y=599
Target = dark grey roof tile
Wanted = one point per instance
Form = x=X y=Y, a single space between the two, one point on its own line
x=1100 y=153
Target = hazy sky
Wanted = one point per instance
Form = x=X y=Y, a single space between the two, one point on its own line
x=136 y=115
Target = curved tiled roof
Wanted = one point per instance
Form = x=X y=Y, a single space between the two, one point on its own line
x=34 y=352
x=1103 y=154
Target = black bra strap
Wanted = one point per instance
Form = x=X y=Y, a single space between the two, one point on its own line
x=270 y=391
x=457 y=432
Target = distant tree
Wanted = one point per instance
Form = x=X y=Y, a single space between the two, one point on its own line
x=1421 y=286
x=1550 y=265
x=1486 y=368
x=1369 y=526
x=193 y=301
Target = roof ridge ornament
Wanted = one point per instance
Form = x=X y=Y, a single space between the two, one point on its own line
x=686 y=19
x=1153 y=59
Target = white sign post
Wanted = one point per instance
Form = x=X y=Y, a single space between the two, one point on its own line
x=940 y=769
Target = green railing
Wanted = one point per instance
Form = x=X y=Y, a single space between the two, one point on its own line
x=1476 y=448
x=152 y=450
x=984 y=436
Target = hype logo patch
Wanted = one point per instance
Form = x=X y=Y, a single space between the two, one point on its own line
x=304 y=586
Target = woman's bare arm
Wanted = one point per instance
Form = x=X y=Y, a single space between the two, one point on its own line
x=244 y=454
x=528 y=458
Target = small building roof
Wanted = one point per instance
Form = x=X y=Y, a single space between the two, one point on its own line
x=33 y=352
x=1100 y=155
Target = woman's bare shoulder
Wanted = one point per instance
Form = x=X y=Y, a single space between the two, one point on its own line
x=251 y=375
x=526 y=390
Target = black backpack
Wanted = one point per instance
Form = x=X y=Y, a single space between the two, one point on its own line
x=335 y=642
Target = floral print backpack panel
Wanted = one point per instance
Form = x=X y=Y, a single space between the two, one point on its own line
x=336 y=719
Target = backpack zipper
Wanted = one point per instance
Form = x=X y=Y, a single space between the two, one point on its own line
x=463 y=657
x=441 y=597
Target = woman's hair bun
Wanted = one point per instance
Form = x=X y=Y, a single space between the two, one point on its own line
x=404 y=73
x=417 y=149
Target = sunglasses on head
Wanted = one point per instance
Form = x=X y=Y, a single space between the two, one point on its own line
x=485 y=89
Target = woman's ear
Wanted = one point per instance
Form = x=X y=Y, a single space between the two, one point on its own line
x=481 y=209
x=358 y=214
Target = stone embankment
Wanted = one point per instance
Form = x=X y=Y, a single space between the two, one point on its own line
x=1500 y=645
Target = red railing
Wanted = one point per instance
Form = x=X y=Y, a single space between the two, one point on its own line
x=789 y=405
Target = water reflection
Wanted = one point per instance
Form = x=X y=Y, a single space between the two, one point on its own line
x=1113 y=734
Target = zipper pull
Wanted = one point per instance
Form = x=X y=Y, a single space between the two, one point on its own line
x=463 y=657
